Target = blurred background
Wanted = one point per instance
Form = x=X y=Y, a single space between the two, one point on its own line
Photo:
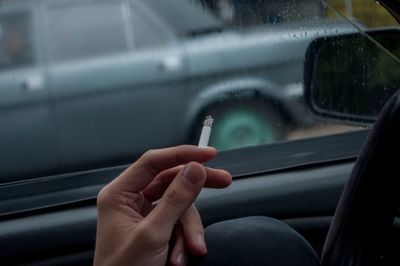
x=87 y=84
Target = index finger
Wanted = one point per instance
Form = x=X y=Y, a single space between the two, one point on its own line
x=150 y=164
x=216 y=178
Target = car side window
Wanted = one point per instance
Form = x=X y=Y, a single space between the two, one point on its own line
x=16 y=40
x=85 y=30
x=146 y=33
x=237 y=13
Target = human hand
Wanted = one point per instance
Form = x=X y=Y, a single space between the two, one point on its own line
x=131 y=230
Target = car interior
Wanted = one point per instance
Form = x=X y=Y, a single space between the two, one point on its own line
x=338 y=190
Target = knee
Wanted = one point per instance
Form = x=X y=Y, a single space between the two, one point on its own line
x=256 y=241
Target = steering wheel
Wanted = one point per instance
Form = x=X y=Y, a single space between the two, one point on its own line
x=361 y=230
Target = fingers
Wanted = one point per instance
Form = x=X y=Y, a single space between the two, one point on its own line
x=189 y=237
x=179 y=196
x=215 y=179
x=147 y=167
x=193 y=232
x=179 y=256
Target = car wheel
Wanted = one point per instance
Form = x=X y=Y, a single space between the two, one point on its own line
x=241 y=125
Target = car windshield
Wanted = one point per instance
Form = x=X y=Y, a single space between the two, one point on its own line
x=91 y=84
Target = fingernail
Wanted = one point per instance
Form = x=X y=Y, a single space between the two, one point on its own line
x=193 y=178
x=180 y=259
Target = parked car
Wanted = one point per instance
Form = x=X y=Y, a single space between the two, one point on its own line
x=86 y=83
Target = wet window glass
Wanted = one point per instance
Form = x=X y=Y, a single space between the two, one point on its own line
x=82 y=30
x=16 y=43
x=238 y=13
x=375 y=73
x=95 y=100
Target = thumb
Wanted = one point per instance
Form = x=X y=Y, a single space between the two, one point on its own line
x=179 y=196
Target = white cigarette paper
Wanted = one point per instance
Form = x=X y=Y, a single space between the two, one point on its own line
x=206 y=131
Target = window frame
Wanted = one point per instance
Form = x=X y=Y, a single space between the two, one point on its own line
x=73 y=188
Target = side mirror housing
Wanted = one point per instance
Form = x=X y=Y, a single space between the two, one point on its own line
x=350 y=77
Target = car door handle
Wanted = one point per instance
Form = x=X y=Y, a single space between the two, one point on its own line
x=170 y=64
x=32 y=83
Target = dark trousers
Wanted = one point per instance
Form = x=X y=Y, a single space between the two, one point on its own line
x=255 y=241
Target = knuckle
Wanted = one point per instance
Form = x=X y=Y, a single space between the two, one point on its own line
x=177 y=198
x=148 y=154
x=147 y=160
x=147 y=234
x=191 y=219
x=103 y=198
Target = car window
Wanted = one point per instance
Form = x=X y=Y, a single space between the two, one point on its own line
x=144 y=74
x=184 y=18
x=147 y=33
x=237 y=13
x=16 y=40
x=85 y=29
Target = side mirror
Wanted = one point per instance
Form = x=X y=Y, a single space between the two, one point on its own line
x=350 y=77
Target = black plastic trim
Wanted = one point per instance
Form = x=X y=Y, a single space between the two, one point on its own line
x=53 y=191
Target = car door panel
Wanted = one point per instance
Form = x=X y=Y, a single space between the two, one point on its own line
x=305 y=199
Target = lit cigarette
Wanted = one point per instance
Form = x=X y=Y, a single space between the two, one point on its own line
x=206 y=131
